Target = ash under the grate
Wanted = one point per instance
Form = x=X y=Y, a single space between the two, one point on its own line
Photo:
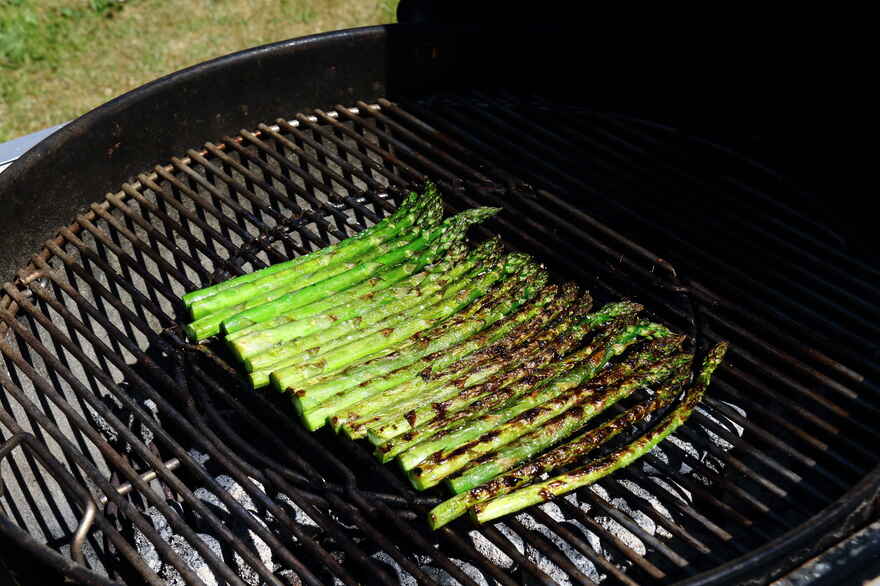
x=635 y=496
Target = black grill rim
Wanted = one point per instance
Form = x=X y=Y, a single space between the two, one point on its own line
x=785 y=551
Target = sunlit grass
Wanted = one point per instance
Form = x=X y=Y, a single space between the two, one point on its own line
x=61 y=58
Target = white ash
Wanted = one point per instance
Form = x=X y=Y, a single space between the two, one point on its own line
x=490 y=551
x=616 y=529
x=100 y=423
x=674 y=489
x=206 y=495
x=205 y=573
x=548 y=567
x=199 y=457
x=442 y=577
x=190 y=555
x=290 y=577
x=471 y=572
x=404 y=577
x=512 y=537
x=237 y=492
x=646 y=523
x=300 y=516
x=580 y=561
x=722 y=423
x=687 y=448
x=640 y=493
x=146 y=433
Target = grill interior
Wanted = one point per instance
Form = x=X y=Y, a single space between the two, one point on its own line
x=101 y=387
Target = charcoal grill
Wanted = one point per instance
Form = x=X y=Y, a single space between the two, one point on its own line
x=128 y=455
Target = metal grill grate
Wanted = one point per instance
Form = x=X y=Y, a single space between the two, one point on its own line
x=101 y=389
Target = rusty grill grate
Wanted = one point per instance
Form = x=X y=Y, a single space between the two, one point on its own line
x=192 y=478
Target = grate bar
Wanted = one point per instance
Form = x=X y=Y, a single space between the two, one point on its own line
x=179 y=524
x=539 y=542
x=582 y=547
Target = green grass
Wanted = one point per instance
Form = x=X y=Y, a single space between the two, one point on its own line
x=61 y=58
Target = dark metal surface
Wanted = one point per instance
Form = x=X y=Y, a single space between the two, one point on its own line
x=618 y=203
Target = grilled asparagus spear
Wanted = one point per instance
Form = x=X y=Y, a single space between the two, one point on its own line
x=315 y=346
x=402 y=402
x=597 y=469
x=349 y=303
x=555 y=343
x=558 y=428
x=458 y=427
x=441 y=464
x=210 y=324
x=551 y=460
x=270 y=346
x=403 y=218
x=390 y=371
x=390 y=337
x=449 y=232
x=356 y=251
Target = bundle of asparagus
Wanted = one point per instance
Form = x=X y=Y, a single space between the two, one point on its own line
x=462 y=363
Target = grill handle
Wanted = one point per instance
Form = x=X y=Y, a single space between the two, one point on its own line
x=85 y=524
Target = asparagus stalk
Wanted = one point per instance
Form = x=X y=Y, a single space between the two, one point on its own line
x=270 y=346
x=417 y=444
x=356 y=251
x=320 y=401
x=556 y=429
x=210 y=324
x=528 y=415
x=457 y=407
x=522 y=332
x=547 y=383
x=423 y=408
x=554 y=459
x=312 y=347
x=355 y=300
x=338 y=358
x=399 y=406
x=404 y=217
x=598 y=469
x=337 y=405
x=420 y=348
x=449 y=232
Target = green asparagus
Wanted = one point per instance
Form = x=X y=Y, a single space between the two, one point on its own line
x=357 y=252
x=450 y=231
x=404 y=217
x=597 y=469
x=551 y=460
x=441 y=464
x=314 y=346
x=424 y=408
x=211 y=324
x=543 y=385
x=421 y=400
x=290 y=377
x=385 y=373
x=356 y=300
x=270 y=346
x=553 y=430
